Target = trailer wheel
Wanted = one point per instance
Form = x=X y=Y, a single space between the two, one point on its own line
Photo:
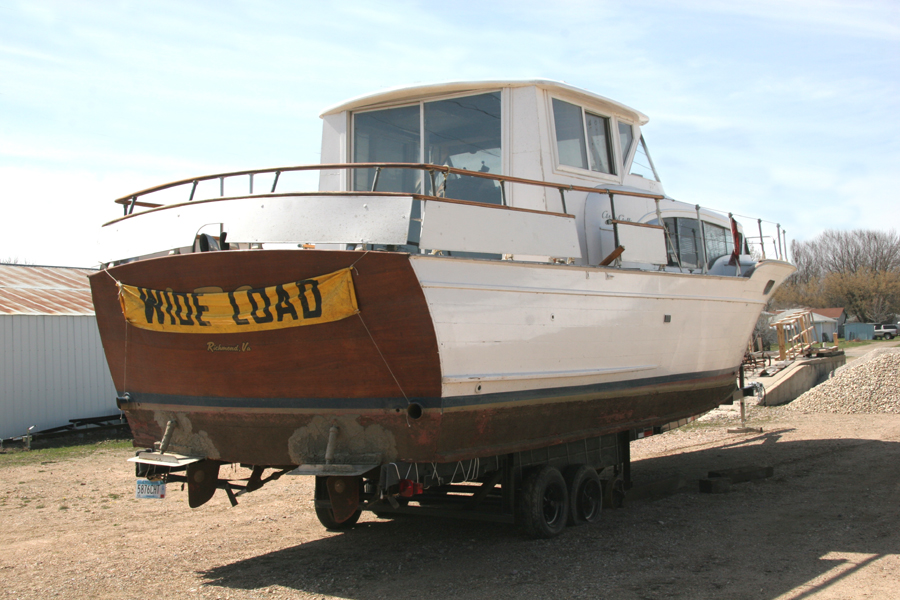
x=326 y=518
x=325 y=514
x=617 y=492
x=544 y=503
x=585 y=495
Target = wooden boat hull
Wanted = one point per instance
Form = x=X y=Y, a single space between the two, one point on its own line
x=391 y=378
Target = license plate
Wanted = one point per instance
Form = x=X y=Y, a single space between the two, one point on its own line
x=150 y=489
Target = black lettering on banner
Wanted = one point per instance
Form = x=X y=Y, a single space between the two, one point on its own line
x=200 y=310
x=266 y=313
x=284 y=306
x=169 y=306
x=182 y=304
x=237 y=311
x=317 y=311
x=152 y=305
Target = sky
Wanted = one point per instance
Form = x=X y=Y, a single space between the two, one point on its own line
x=788 y=110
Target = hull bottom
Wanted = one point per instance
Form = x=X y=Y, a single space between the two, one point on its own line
x=268 y=432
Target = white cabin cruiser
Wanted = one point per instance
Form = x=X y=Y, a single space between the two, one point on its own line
x=488 y=270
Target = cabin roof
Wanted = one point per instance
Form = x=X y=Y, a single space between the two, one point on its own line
x=420 y=92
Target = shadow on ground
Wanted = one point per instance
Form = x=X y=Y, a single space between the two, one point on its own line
x=761 y=540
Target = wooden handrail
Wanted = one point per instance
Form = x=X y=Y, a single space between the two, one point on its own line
x=647 y=225
x=161 y=207
x=417 y=166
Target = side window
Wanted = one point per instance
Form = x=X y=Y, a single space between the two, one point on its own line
x=641 y=164
x=626 y=137
x=583 y=139
x=390 y=135
x=569 y=134
x=719 y=242
x=599 y=143
x=689 y=241
x=684 y=239
x=684 y=234
x=464 y=133
x=671 y=241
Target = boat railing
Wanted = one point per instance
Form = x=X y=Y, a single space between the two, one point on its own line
x=779 y=240
x=139 y=198
x=132 y=200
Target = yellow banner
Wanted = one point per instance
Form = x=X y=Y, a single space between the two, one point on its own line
x=308 y=302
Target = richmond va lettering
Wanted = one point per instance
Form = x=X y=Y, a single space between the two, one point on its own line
x=179 y=308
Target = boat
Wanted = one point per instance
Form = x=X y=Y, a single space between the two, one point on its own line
x=487 y=271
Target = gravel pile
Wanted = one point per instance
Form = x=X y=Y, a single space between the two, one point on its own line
x=870 y=385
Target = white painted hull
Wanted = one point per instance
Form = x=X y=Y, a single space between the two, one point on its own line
x=509 y=327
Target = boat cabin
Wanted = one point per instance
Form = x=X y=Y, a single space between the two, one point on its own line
x=536 y=130
x=535 y=171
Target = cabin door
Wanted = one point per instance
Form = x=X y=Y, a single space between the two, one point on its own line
x=598 y=234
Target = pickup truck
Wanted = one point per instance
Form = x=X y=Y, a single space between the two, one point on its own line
x=885 y=331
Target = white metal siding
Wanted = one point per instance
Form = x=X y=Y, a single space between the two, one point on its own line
x=52 y=369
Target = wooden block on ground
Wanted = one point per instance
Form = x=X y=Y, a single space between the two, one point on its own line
x=716 y=485
x=661 y=487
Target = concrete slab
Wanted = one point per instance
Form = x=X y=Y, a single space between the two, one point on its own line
x=797 y=378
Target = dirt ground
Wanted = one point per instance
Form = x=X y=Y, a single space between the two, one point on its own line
x=824 y=526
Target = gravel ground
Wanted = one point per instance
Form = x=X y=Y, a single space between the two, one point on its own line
x=870 y=384
x=825 y=526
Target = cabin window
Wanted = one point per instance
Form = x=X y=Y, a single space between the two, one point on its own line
x=582 y=138
x=569 y=134
x=599 y=143
x=464 y=133
x=685 y=237
x=626 y=136
x=390 y=135
x=641 y=165
x=719 y=242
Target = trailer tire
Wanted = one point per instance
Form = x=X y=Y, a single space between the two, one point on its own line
x=585 y=494
x=325 y=514
x=544 y=503
x=326 y=518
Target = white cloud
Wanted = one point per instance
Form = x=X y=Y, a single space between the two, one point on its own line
x=784 y=109
x=872 y=18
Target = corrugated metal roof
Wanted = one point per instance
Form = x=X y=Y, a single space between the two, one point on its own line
x=31 y=290
x=815 y=314
x=832 y=313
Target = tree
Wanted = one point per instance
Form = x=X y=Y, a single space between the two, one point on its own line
x=858 y=270
x=870 y=296
x=15 y=260
x=806 y=259
x=847 y=252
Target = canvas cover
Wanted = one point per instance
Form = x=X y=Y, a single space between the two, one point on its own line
x=310 y=301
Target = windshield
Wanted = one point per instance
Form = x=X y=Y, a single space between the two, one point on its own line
x=464 y=133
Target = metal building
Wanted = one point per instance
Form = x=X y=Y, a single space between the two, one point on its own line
x=854 y=332
x=52 y=366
